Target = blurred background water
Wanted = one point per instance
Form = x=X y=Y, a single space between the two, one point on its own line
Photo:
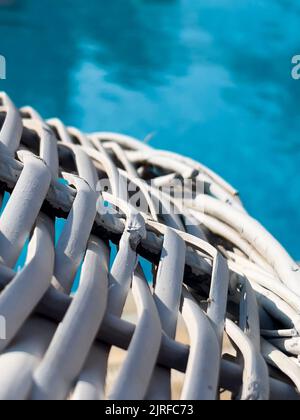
x=209 y=79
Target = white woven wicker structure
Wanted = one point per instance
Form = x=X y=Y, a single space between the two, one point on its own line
x=211 y=262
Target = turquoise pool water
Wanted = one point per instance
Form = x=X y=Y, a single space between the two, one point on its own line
x=210 y=79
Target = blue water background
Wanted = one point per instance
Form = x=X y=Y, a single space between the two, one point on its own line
x=210 y=79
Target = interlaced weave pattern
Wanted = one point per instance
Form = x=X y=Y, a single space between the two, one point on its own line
x=213 y=266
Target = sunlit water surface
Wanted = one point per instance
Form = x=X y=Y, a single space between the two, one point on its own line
x=210 y=79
